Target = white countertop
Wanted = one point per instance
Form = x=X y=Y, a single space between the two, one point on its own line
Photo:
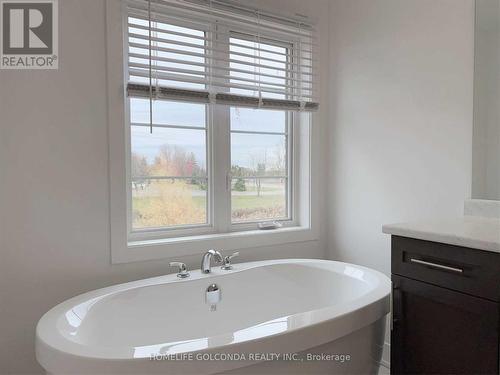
x=468 y=231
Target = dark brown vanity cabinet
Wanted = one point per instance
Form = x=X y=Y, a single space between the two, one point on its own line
x=446 y=312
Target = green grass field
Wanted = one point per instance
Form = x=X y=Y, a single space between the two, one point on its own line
x=247 y=202
x=154 y=207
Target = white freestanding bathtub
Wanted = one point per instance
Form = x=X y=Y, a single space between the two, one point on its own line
x=274 y=317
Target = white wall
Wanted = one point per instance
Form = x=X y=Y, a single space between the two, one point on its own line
x=54 y=228
x=401 y=105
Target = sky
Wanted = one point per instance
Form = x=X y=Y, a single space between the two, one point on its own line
x=246 y=149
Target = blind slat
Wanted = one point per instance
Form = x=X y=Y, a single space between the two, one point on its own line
x=232 y=52
x=205 y=65
x=221 y=60
x=189 y=72
x=205 y=39
x=203 y=26
x=210 y=14
x=189 y=79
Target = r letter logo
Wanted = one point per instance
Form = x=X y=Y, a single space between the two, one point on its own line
x=29 y=34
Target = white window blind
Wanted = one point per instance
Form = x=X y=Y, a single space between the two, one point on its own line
x=213 y=51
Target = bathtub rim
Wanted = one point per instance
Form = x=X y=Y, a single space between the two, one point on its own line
x=356 y=314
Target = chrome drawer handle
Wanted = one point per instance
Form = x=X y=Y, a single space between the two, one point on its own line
x=436 y=265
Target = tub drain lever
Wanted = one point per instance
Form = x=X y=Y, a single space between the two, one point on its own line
x=213 y=296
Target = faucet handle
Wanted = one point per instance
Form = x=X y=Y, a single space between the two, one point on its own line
x=226 y=262
x=183 y=272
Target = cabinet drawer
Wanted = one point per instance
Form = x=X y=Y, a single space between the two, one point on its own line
x=470 y=271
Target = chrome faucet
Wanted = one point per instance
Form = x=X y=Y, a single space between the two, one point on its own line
x=183 y=271
x=206 y=262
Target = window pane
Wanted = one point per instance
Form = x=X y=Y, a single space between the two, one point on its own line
x=258 y=155
x=168 y=113
x=168 y=152
x=259 y=120
x=158 y=199
x=258 y=199
x=255 y=159
x=167 y=203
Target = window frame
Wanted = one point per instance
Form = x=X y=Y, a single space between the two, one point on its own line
x=293 y=159
x=292 y=123
x=219 y=233
x=172 y=231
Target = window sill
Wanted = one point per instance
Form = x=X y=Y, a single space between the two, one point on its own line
x=182 y=246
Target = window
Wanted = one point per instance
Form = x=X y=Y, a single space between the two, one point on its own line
x=214 y=142
x=169 y=180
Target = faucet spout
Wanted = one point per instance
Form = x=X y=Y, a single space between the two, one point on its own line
x=206 y=262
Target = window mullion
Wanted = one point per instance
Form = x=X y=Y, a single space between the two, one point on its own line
x=221 y=161
x=221 y=142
